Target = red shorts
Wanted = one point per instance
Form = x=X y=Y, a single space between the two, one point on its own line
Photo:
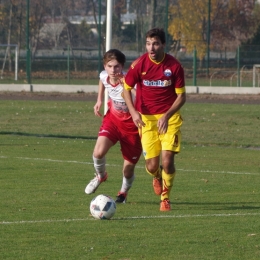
x=125 y=132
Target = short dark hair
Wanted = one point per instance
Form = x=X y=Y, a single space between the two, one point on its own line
x=156 y=32
x=114 y=54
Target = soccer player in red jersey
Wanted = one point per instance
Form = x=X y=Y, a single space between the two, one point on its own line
x=117 y=126
x=160 y=93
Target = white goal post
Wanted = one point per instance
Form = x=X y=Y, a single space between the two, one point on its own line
x=5 y=52
x=256 y=69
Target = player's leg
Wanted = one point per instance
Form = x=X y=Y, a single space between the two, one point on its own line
x=128 y=179
x=171 y=143
x=168 y=174
x=153 y=168
x=131 y=149
x=102 y=146
x=151 y=150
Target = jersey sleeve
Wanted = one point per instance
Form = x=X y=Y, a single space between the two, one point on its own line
x=180 y=90
x=103 y=76
x=127 y=87
x=132 y=76
x=180 y=80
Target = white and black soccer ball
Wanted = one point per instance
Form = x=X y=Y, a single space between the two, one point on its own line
x=102 y=207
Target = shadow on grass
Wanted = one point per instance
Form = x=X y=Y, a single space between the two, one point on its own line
x=205 y=205
x=49 y=135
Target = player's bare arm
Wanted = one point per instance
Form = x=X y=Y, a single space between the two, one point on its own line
x=176 y=106
x=101 y=91
x=135 y=115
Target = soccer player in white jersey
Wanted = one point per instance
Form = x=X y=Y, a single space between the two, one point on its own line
x=117 y=126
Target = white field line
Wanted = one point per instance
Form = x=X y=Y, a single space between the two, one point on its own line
x=131 y=218
x=116 y=165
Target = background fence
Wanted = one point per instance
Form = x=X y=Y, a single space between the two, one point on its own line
x=224 y=68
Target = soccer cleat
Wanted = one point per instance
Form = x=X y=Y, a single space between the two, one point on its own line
x=94 y=183
x=165 y=205
x=157 y=186
x=121 y=197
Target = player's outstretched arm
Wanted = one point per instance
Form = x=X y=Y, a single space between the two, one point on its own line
x=101 y=91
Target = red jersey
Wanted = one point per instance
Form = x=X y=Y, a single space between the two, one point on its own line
x=156 y=83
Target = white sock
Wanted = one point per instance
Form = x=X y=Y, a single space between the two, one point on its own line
x=100 y=166
x=127 y=184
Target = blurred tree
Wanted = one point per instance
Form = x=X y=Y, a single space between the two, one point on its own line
x=66 y=7
x=129 y=32
x=8 y=50
x=21 y=41
x=250 y=49
x=83 y=34
x=150 y=13
x=11 y=26
x=119 y=8
x=38 y=9
x=255 y=40
x=231 y=23
x=95 y=14
x=3 y=21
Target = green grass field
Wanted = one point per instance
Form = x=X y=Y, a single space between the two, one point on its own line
x=46 y=162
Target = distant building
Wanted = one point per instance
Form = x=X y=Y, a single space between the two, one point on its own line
x=127 y=18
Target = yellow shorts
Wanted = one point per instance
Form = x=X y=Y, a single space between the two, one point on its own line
x=153 y=142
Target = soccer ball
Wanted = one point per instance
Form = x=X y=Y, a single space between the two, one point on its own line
x=102 y=207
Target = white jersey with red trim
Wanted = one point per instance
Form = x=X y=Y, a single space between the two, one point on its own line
x=116 y=103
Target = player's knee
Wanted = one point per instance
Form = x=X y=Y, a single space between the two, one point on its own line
x=98 y=154
x=152 y=166
x=169 y=169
